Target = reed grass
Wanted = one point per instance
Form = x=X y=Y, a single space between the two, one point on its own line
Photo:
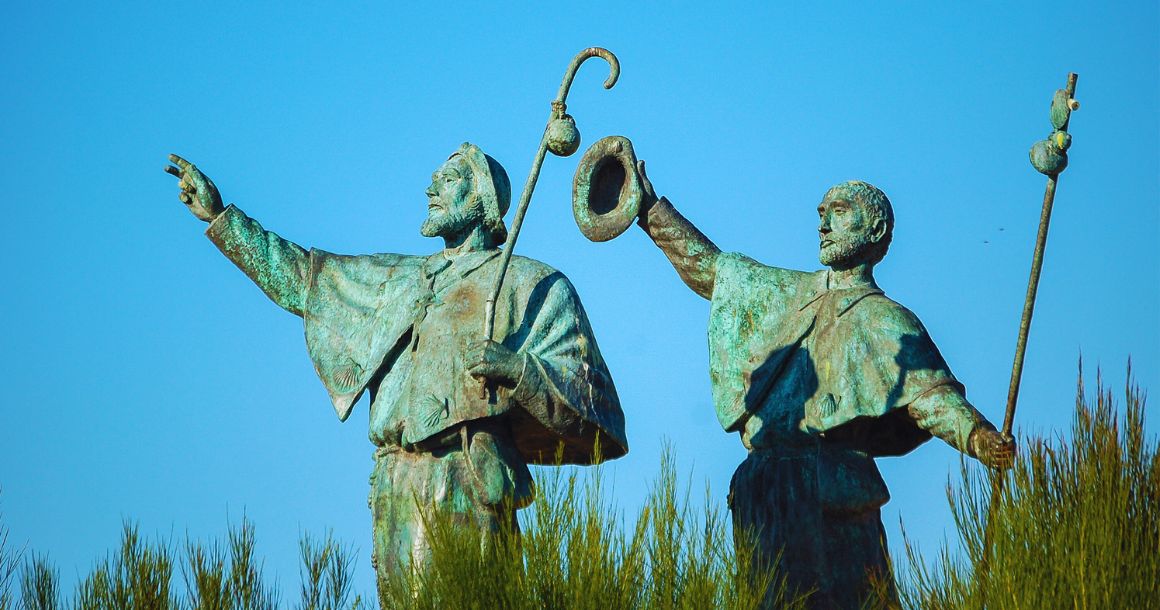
x=9 y=563
x=1077 y=524
x=576 y=552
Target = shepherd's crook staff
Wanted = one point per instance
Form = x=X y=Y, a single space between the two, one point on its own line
x=562 y=138
x=1050 y=158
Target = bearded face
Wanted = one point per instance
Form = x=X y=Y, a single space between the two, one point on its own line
x=846 y=233
x=451 y=208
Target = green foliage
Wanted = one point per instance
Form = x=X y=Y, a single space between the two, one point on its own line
x=138 y=577
x=213 y=584
x=326 y=574
x=216 y=577
x=38 y=585
x=9 y=561
x=576 y=553
x=1076 y=525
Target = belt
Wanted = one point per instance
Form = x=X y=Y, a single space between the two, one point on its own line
x=451 y=439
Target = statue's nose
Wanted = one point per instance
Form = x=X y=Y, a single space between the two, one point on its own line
x=430 y=190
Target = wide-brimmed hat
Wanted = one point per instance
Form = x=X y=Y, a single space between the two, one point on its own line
x=607 y=189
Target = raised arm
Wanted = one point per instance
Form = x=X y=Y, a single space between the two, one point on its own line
x=278 y=266
x=692 y=254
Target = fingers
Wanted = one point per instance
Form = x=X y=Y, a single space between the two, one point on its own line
x=645 y=182
x=195 y=182
x=187 y=175
x=1002 y=452
x=474 y=358
x=182 y=163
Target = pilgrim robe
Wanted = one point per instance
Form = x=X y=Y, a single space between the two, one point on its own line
x=818 y=383
x=396 y=326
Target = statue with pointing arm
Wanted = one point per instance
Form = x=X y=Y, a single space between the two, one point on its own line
x=409 y=331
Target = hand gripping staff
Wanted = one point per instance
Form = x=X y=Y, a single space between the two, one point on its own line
x=562 y=138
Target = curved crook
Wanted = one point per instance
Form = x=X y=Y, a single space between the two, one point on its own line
x=614 y=71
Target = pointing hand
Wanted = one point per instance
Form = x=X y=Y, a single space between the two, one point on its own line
x=197 y=190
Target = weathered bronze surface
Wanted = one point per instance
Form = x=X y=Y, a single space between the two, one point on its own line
x=410 y=331
x=606 y=191
x=819 y=373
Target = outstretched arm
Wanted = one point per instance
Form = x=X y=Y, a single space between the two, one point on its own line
x=945 y=413
x=278 y=266
x=692 y=254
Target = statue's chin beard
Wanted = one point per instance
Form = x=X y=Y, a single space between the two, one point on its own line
x=843 y=251
x=445 y=225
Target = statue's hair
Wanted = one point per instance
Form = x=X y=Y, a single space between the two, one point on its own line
x=493 y=220
x=491 y=187
x=877 y=206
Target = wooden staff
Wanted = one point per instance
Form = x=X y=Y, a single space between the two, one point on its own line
x=1050 y=158
x=562 y=138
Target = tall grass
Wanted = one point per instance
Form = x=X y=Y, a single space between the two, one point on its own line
x=1077 y=524
x=226 y=578
x=38 y=585
x=577 y=553
x=9 y=563
x=326 y=574
x=224 y=575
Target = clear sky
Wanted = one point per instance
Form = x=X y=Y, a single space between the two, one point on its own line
x=143 y=377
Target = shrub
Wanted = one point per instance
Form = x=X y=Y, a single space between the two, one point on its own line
x=9 y=561
x=576 y=553
x=1076 y=525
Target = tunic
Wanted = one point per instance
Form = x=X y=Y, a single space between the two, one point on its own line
x=818 y=383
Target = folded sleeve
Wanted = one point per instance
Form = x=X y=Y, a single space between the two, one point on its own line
x=565 y=394
x=278 y=266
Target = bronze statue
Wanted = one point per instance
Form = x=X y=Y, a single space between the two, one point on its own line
x=817 y=372
x=410 y=331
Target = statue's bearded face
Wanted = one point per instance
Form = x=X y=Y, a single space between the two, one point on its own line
x=847 y=233
x=451 y=207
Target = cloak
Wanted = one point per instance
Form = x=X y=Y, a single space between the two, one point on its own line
x=361 y=314
x=792 y=360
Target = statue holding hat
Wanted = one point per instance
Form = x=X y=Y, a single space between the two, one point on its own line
x=818 y=373
x=409 y=331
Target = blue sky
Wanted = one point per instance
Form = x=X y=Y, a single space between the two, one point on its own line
x=145 y=378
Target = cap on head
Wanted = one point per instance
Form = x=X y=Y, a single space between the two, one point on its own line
x=491 y=185
x=876 y=204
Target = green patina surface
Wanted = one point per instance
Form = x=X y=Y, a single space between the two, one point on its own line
x=409 y=331
x=1049 y=156
x=819 y=373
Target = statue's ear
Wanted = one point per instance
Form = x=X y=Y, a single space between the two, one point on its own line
x=878 y=231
